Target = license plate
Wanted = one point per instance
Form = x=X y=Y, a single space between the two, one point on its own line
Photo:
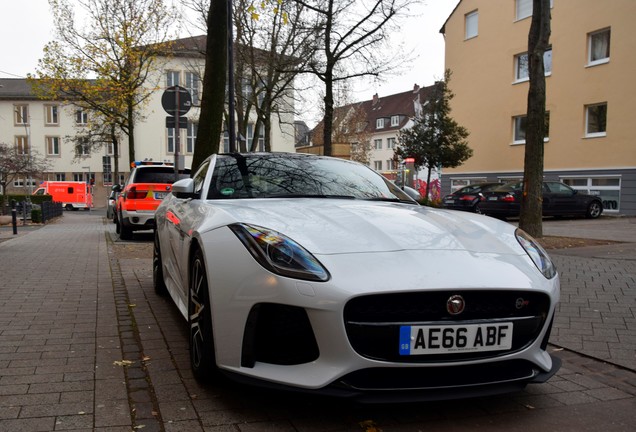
x=455 y=338
x=449 y=201
x=160 y=195
x=492 y=198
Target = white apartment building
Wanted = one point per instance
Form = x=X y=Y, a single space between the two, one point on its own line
x=44 y=127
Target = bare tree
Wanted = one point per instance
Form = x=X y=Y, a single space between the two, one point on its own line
x=14 y=163
x=103 y=63
x=530 y=218
x=273 y=46
x=352 y=35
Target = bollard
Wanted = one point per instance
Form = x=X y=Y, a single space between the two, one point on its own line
x=14 y=217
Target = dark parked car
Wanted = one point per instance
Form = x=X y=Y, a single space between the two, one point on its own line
x=468 y=197
x=559 y=199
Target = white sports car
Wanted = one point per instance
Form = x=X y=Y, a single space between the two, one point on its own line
x=317 y=274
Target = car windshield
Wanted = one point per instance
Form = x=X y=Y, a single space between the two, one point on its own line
x=298 y=176
x=511 y=187
x=157 y=175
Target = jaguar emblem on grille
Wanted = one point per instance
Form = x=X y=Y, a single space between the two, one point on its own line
x=455 y=305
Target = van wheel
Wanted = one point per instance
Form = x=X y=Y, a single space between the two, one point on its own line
x=68 y=207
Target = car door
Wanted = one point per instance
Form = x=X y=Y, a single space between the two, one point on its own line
x=561 y=199
x=182 y=218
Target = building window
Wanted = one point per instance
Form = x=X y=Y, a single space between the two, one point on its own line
x=596 y=120
x=110 y=149
x=81 y=117
x=606 y=188
x=472 y=24
x=390 y=143
x=171 y=141
x=395 y=120
x=524 y=8
x=191 y=136
x=20 y=183
x=21 y=115
x=379 y=123
x=390 y=164
x=377 y=165
x=226 y=142
x=51 y=115
x=519 y=128
x=598 y=47
x=52 y=146
x=60 y=176
x=377 y=144
x=22 y=144
x=78 y=177
x=83 y=147
x=192 y=85
x=522 y=67
x=172 y=78
x=260 y=146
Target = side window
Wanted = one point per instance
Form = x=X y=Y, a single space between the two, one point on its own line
x=199 y=177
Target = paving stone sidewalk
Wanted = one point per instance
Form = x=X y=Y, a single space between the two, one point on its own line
x=85 y=344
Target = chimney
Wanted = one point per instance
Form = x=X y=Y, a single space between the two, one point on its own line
x=375 y=99
x=416 y=88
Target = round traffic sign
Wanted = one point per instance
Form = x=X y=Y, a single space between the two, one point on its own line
x=176 y=101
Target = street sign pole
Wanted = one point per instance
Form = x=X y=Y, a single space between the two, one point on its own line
x=177 y=141
x=176 y=106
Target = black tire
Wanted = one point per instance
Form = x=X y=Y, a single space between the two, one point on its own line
x=124 y=232
x=202 y=359
x=157 y=269
x=117 y=225
x=594 y=210
x=68 y=207
x=477 y=209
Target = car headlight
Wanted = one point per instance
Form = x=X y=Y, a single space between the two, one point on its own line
x=537 y=254
x=279 y=253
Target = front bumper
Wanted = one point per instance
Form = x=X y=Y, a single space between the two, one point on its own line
x=337 y=366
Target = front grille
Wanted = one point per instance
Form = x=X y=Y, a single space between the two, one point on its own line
x=373 y=322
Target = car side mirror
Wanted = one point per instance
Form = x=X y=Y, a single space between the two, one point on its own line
x=116 y=188
x=184 y=188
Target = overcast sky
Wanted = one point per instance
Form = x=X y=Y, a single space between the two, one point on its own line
x=26 y=26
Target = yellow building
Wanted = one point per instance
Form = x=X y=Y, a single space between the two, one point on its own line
x=591 y=91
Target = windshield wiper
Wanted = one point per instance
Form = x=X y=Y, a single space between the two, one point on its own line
x=389 y=199
x=291 y=195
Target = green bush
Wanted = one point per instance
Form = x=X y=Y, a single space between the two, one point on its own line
x=36 y=215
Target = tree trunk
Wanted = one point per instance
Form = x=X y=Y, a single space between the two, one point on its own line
x=214 y=78
x=532 y=198
x=328 y=119
x=131 y=133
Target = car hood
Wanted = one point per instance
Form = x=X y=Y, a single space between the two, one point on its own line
x=337 y=226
